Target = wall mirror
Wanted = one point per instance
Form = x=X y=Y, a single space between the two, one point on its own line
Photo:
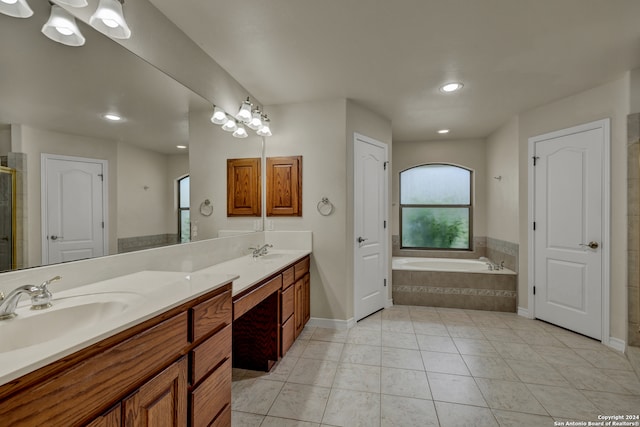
x=52 y=100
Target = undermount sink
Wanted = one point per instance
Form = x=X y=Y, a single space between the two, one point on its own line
x=66 y=316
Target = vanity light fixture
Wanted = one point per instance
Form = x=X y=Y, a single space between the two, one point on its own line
x=182 y=147
x=265 y=129
x=73 y=3
x=244 y=114
x=109 y=19
x=240 y=132
x=62 y=28
x=16 y=8
x=443 y=131
x=219 y=117
x=230 y=125
x=112 y=117
x=451 y=87
x=256 y=120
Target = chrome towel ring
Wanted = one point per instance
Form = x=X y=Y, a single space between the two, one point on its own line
x=206 y=208
x=325 y=207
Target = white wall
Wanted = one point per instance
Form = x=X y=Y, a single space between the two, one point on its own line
x=608 y=100
x=209 y=149
x=502 y=195
x=467 y=153
x=5 y=139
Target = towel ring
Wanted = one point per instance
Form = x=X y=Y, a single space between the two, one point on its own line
x=325 y=207
x=206 y=208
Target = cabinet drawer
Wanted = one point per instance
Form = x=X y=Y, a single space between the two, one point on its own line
x=211 y=315
x=301 y=268
x=288 y=334
x=210 y=353
x=288 y=278
x=287 y=303
x=224 y=419
x=210 y=397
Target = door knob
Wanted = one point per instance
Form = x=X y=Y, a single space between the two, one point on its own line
x=361 y=239
x=590 y=245
x=55 y=237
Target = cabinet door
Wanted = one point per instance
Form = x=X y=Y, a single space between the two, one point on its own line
x=243 y=187
x=284 y=186
x=298 y=312
x=307 y=299
x=162 y=401
x=113 y=418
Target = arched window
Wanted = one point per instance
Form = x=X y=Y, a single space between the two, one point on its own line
x=184 y=220
x=436 y=208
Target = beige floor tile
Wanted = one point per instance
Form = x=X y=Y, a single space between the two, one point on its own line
x=254 y=395
x=357 y=377
x=244 y=419
x=323 y=350
x=576 y=341
x=405 y=382
x=455 y=389
x=402 y=358
x=564 y=402
x=430 y=328
x=613 y=403
x=517 y=351
x=501 y=334
x=333 y=335
x=399 y=340
x=373 y=322
x=283 y=422
x=454 y=415
x=306 y=333
x=436 y=343
x=400 y=411
x=446 y=363
x=537 y=373
x=282 y=370
x=539 y=338
x=362 y=354
x=297 y=348
x=458 y=331
x=560 y=356
x=397 y=325
x=519 y=419
x=606 y=359
x=300 y=402
x=350 y=408
x=364 y=336
x=629 y=383
x=314 y=372
x=510 y=396
x=490 y=367
x=590 y=378
x=475 y=347
x=424 y=316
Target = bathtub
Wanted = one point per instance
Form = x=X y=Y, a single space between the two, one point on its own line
x=444 y=264
x=453 y=283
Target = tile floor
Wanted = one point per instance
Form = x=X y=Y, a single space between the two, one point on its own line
x=422 y=366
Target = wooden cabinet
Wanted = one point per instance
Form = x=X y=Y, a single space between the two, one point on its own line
x=244 y=190
x=161 y=401
x=137 y=377
x=284 y=186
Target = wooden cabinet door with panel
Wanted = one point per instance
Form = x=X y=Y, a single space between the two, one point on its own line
x=244 y=194
x=284 y=186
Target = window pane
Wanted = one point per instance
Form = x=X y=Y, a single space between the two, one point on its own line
x=185 y=226
x=184 y=192
x=435 y=185
x=443 y=228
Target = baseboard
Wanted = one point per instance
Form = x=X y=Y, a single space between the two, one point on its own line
x=318 y=322
x=389 y=303
x=617 y=344
x=524 y=312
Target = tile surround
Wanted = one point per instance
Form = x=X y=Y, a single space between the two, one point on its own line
x=633 y=233
x=506 y=381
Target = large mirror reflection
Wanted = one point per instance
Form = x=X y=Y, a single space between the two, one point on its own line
x=87 y=186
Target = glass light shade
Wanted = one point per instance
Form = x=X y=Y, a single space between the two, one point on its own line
x=244 y=114
x=73 y=3
x=256 y=121
x=265 y=129
x=230 y=125
x=109 y=19
x=61 y=27
x=219 y=117
x=16 y=8
x=241 y=132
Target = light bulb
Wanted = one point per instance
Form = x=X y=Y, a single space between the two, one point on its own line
x=244 y=114
x=241 y=132
x=219 y=117
x=230 y=125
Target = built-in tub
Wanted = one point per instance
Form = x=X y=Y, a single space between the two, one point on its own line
x=454 y=283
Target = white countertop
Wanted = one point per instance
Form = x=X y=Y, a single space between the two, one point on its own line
x=130 y=300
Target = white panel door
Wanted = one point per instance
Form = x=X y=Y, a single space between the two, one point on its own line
x=569 y=230
x=73 y=213
x=370 y=271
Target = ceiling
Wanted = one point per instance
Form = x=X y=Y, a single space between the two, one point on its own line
x=392 y=56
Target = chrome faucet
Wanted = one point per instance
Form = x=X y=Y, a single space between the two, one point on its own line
x=261 y=250
x=40 y=298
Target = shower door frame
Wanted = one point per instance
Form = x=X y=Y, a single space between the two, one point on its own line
x=12 y=172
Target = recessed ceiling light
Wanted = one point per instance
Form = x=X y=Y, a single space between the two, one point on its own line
x=112 y=117
x=182 y=147
x=443 y=131
x=451 y=87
